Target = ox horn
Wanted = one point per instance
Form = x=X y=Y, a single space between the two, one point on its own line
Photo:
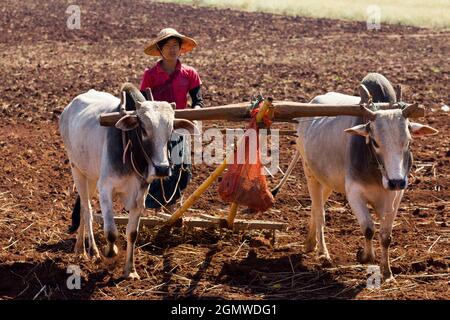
x=149 y=94
x=369 y=114
x=365 y=99
x=123 y=102
x=409 y=110
x=398 y=92
x=364 y=94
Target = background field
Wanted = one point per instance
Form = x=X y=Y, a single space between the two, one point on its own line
x=433 y=13
x=44 y=65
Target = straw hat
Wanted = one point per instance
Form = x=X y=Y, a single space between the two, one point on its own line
x=187 y=44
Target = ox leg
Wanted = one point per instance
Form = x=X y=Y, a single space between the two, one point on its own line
x=132 y=232
x=79 y=245
x=109 y=226
x=386 y=222
x=81 y=184
x=317 y=222
x=93 y=246
x=86 y=212
x=359 y=207
x=311 y=240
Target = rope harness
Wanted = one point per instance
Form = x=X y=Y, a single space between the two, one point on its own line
x=128 y=146
x=370 y=141
x=128 y=149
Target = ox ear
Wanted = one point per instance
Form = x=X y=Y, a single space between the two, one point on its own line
x=360 y=130
x=173 y=105
x=185 y=124
x=420 y=130
x=128 y=122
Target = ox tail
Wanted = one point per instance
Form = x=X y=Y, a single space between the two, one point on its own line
x=75 y=216
x=291 y=167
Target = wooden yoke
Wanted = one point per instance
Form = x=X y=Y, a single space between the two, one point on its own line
x=283 y=111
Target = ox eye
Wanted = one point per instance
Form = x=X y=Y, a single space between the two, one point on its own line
x=375 y=144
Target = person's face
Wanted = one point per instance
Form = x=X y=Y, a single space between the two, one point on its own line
x=171 y=50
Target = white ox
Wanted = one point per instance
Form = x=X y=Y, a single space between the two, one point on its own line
x=367 y=160
x=98 y=161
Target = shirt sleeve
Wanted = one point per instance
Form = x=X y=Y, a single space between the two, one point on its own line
x=194 y=79
x=196 y=96
x=146 y=80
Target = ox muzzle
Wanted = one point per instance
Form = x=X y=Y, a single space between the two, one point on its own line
x=397 y=184
x=163 y=171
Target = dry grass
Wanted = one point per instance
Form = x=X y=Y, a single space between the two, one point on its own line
x=432 y=13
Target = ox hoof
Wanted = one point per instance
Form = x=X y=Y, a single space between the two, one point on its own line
x=310 y=246
x=131 y=275
x=97 y=258
x=388 y=277
x=111 y=252
x=325 y=261
x=79 y=250
x=81 y=256
x=95 y=254
x=364 y=258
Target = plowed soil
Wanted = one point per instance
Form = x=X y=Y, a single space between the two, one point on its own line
x=44 y=65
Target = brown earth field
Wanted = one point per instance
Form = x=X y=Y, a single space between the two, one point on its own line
x=44 y=65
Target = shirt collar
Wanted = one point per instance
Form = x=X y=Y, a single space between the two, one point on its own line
x=159 y=68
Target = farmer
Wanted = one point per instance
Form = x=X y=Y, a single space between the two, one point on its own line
x=171 y=81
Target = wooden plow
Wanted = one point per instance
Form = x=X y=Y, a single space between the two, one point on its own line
x=278 y=111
